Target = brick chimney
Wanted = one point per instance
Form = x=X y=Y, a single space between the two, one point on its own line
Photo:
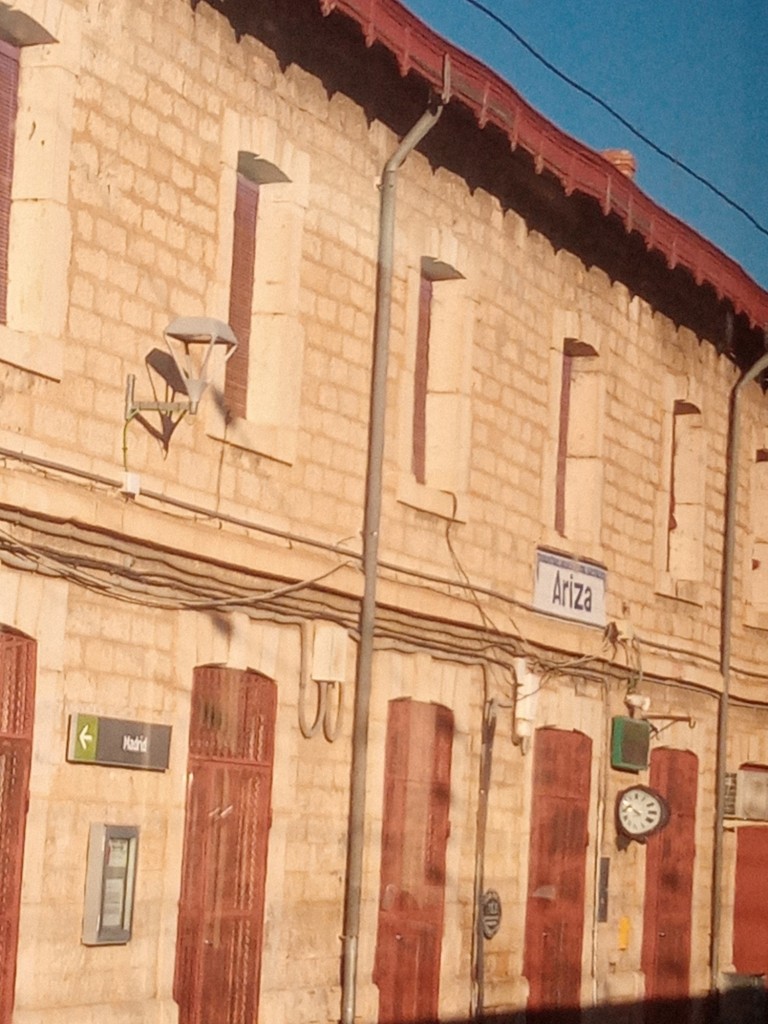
x=623 y=160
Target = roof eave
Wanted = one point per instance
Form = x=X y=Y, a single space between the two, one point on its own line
x=419 y=50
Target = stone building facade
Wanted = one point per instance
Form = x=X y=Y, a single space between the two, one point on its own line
x=562 y=382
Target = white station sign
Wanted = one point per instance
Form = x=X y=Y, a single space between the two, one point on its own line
x=569 y=589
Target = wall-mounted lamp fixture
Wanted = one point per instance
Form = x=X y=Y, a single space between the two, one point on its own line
x=190 y=341
x=638 y=702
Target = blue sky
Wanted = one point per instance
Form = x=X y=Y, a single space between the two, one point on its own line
x=689 y=75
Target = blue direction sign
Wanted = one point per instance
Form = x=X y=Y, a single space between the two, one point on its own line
x=118 y=742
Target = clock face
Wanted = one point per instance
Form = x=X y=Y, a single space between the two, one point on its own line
x=641 y=811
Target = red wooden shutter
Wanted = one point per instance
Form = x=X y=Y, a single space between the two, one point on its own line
x=241 y=293
x=17 y=699
x=9 y=90
x=233 y=716
x=415 y=831
x=750 y=904
x=421 y=382
x=666 y=952
x=221 y=910
x=750 y=897
x=554 y=924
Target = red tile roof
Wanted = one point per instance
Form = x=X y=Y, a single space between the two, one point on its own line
x=579 y=169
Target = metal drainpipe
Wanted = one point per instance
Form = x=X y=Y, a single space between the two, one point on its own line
x=378 y=403
x=726 y=618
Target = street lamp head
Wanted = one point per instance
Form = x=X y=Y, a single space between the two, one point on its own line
x=190 y=340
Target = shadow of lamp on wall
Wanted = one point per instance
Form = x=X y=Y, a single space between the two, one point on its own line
x=182 y=374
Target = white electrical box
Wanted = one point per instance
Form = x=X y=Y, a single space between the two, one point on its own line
x=329 y=653
x=110 y=884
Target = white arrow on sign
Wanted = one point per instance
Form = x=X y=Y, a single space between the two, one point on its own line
x=85 y=737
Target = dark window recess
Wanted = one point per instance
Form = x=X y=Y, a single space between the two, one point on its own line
x=421 y=382
x=241 y=293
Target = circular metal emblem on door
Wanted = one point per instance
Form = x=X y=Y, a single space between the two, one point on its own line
x=490 y=912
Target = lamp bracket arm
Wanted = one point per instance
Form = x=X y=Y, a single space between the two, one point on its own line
x=133 y=408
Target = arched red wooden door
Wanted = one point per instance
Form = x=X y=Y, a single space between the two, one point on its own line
x=17 y=709
x=666 y=952
x=221 y=911
x=417 y=775
x=554 y=922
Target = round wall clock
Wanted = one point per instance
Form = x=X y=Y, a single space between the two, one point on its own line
x=640 y=811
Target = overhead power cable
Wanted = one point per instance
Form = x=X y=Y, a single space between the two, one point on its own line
x=617 y=116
